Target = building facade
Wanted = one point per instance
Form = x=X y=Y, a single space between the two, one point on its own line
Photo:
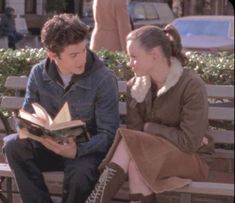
x=36 y=11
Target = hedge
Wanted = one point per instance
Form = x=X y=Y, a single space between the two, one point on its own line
x=214 y=69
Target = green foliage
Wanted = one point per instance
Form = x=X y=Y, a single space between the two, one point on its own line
x=56 y=6
x=17 y=62
x=213 y=68
x=117 y=61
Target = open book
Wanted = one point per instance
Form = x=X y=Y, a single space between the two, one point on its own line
x=40 y=123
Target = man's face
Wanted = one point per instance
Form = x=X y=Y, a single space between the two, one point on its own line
x=72 y=60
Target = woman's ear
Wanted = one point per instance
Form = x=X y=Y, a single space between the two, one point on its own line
x=156 y=53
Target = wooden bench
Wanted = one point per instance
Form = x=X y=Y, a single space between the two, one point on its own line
x=221 y=108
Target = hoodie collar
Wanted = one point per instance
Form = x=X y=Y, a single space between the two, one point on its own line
x=50 y=71
x=142 y=84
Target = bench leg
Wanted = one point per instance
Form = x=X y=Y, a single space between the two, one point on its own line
x=9 y=189
x=3 y=198
x=185 y=198
x=8 y=197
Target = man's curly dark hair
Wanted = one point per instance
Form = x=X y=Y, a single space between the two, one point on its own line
x=63 y=30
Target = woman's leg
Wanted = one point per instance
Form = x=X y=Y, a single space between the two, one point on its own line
x=139 y=191
x=136 y=182
x=121 y=156
x=114 y=175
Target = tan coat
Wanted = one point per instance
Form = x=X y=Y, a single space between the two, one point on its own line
x=112 y=25
x=169 y=155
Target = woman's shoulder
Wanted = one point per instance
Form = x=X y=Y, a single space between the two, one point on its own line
x=192 y=81
x=190 y=75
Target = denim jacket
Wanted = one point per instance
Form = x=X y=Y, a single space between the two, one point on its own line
x=92 y=97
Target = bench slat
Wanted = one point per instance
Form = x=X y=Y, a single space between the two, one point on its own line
x=122 y=108
x=222 y=136
x=55 y=176
x=224 y=153
x=16 y=82
x=221 y=113
x=122 y=86
x=208 y=188
x=11 y=102
x=220 y=91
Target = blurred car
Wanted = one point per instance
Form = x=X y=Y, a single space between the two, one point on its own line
x=206 y=33
x=140 y=12
x=150 y=13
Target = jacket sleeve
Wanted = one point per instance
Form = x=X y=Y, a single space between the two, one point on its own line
x=31 y=91
x=107 y=118
x=135 y=119
x=193 y=123
x=123 y=21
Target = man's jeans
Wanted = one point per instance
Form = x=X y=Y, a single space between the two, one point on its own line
x=28 y=159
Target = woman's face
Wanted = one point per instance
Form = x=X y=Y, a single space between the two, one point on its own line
x=141 y=61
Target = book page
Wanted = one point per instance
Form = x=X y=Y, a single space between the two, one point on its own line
x=32 y=118
x=42 y=113
x=63 y=115
x=68 y=124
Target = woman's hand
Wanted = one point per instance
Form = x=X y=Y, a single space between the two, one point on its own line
x=68 y=149
x=151 y=128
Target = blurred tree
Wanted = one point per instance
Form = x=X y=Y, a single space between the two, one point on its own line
x=55 y=6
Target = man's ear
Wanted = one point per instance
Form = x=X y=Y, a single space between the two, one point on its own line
x=51 y=55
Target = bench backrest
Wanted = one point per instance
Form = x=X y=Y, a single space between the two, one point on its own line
x=220 y=97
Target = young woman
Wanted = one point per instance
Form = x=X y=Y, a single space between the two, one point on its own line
x=166 y=144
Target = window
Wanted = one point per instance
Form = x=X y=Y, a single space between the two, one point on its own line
x=151 y=12
x=209 y=28
x=2 y=6
x=145 y=12
x=30 y=6
x=87 y=8
x=139 y=13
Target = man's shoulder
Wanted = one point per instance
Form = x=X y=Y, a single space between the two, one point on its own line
x=38 y=67
x=101 y=70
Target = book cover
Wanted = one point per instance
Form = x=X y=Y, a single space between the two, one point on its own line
x=40 y=123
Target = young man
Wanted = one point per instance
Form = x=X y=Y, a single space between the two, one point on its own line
x=74 y=74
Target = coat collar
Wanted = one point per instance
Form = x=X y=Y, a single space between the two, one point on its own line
x=142 y=84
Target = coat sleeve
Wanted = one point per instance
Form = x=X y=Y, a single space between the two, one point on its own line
x=135 y=119
x=107 y=118
x=123 y=21
x=193 y=123
x=31 y=91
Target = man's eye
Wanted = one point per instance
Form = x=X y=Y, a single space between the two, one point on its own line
x=73 y=55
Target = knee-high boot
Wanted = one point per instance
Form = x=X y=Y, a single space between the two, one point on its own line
x=139 y=198
x=108 y=184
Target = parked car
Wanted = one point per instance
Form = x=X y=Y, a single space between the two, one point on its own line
x=141 y=13
x=206 y=33
x=150 y=13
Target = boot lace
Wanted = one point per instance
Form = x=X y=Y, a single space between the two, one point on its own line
x=104 y=179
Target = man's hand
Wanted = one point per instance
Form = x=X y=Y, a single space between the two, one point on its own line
x=68 y=149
